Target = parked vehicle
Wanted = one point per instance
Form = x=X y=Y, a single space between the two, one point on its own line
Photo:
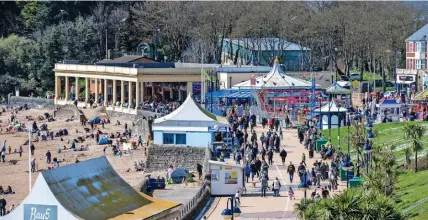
x=354 y=76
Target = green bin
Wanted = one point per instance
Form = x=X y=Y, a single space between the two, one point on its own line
x=355 y=182
x=319 y=143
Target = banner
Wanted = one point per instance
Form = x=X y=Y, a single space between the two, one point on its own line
x=45 y=212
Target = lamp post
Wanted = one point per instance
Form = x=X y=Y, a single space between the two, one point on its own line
x=346 y=166
x=233 y=212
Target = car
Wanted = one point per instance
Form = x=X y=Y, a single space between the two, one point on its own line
x=354 y=76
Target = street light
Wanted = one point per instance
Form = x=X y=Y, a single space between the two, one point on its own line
x=233 y=212
x=346 y=166
x=367 y=150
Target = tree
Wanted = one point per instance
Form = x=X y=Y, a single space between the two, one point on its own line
x=352 y=204
x=414 y=133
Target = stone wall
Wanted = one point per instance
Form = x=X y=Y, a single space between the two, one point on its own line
x=67 y=111
x=161 y=157
x=32 y=102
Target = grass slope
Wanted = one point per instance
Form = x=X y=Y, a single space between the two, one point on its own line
x=389 y=134
x=411 y=188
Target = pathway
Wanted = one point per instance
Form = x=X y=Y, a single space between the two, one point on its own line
x=255 y=207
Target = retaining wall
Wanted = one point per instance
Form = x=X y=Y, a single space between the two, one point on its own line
x=31 y=102
x=67 y=111
x=161 y=157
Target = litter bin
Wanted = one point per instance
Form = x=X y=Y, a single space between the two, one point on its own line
x=319 y=143
x=355 y=182
x=343 y=174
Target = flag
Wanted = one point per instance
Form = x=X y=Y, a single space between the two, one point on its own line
x=207 y=76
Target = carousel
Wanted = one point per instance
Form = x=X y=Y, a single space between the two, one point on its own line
x=278 y=94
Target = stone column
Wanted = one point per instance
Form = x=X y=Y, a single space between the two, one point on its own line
x=180 y=93
x=137 y=94
x=76 y=89
x=96 y=90
x=129 y=94
x=122 y=93
x=105 y=93
x=114 y=94
x=142 y=92
x=66 y=89
x=189 y=87
x=59 y=82
x=171 y=93
x=163 y=93
x=57 y=88
x=86 y=91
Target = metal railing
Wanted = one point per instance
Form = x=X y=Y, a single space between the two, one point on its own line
x=192 y=202
x=418 y=203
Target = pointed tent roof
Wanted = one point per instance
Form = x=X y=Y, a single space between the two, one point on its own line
x=337 y=89
x=91 y=189
x=331 y=107
x=276 y=79
x=419 y=35
x=190 y=114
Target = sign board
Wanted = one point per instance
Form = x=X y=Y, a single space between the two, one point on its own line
x=40 y=212
x=219 y=129
x=407 y=79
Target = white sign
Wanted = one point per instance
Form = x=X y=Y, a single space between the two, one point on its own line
x=407 y=79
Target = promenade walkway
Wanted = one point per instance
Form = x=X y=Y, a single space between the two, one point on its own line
x=253 y=206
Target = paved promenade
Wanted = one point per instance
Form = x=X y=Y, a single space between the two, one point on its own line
x=255 y=207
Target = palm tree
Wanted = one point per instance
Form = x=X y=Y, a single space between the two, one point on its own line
x=414 y=133
x=352 y=204
x=407 y=153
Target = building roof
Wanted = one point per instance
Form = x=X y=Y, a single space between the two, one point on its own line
x=225 y=164
x=127 y=59
x=91 y=189
x=419 y=35
x=190 y=114
x=390 y=103
x=331 y=107
x=266 y=44
x=276 y=79
x=337 y=89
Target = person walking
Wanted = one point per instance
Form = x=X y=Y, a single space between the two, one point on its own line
x=247 y=171
x=3 y=155
x=304 y=158
x=270 y=157
x=291 y=170
x=264 y=185
x=199 y=169
x=32 y=148
x=48 y=157
x=276 y=185
x=2 y=206
x=20 y=151
x=283 y=155
x=291 y=193
x=140 y=141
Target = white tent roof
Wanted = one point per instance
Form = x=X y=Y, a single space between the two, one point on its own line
x=276 y=79
x=337 y=89
x=331 y=107
x=190 y=114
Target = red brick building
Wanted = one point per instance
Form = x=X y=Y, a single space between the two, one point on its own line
x=416 y=50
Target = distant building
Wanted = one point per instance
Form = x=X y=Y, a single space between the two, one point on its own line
x=416 y=50
x=262 y=52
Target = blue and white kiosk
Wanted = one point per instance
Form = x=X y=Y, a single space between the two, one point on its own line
x=189 y=125
x=331 y=115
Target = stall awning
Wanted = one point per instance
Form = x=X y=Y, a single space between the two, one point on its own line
x=240 y=95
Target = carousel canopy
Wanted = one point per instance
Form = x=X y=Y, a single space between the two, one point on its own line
x=336 y=89
x=421 y=96
x=275 y=79
x=331 y=107
x=389 y=103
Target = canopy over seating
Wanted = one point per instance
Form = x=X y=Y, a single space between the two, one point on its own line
x=331 y=107
x=336 y=89
x=390 y=103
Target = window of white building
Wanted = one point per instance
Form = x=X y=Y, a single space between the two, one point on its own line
x=411 y=64
x=418 y=48
x=420 y=64
x=410 y=46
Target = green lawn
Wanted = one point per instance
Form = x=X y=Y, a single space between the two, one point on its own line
x=412 y=187
x=389 y=134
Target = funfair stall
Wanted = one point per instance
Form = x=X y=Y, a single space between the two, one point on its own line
x=278 y=94
x=389 y=111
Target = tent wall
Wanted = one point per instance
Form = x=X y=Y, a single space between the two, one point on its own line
x=41 y=194
x=193 y=138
